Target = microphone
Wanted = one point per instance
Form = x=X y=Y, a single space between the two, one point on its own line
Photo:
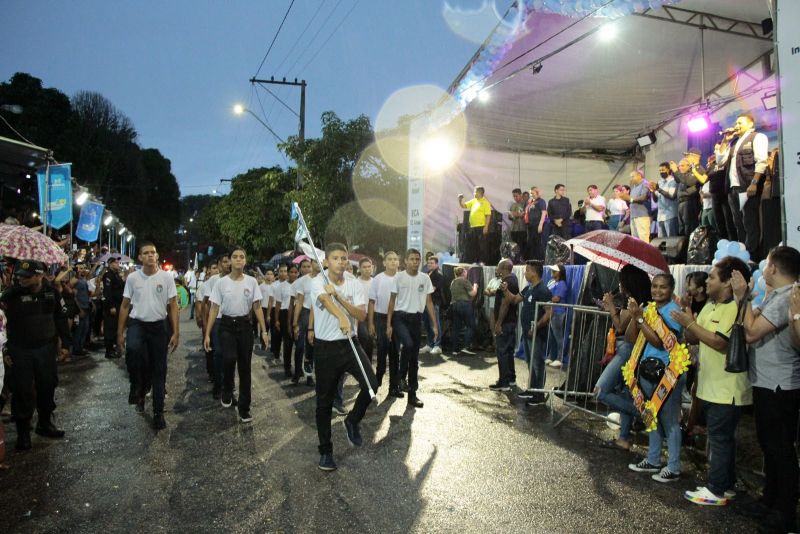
x=727 y=131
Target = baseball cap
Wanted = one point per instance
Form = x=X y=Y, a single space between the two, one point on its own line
x=693 y=150
x=553 y=268
x=27 y=268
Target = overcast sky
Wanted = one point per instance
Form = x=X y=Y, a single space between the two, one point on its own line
x=176 y=68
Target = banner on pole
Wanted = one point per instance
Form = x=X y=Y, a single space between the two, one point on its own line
x=89 y=221
x=55 y=195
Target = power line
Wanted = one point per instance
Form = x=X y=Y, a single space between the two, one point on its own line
x=330 y=36
x=314 y=38
x=275 y=38
x=302 y=33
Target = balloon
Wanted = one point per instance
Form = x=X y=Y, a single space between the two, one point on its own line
x=762 y=265
x=758 y=299
x=762 y=284
x=723 y=244
x=757 y=275
x=718 y=255
x=744 y=255
x=742 y=246
x=733 y=248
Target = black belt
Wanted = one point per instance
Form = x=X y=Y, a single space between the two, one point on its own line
x=231 y=320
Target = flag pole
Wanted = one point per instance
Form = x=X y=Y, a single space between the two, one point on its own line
x=302 y=222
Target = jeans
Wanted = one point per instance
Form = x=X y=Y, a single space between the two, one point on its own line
x=236 y=339
x=708 y=218
x=463 y=318
x=147 y=347
x=407 y=332
x=426 y=321
x=668 y=228
x=594 y=225
x=538 y=374
x=614 y=220
x=668 y=428
x=332 y=359
x=555 y=336
x=721 y=421
x=776 y=427
x=33 y=379
x=82 y=331
x=386 y=347
x=505 y=345
x=302 y=349
x=612 y=392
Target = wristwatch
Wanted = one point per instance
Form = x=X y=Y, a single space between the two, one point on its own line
x=796 y=317
x=640 y=320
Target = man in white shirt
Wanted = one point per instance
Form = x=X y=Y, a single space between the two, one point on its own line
x=267 y=300
x=190 y=279
x=201 y=315
x=595 y=207
x=743 y=153
x=283 y=295
x=337 y=306
x=224 y=266
x=275 y=323
x=303 y=351
x=411 y=296
x=148 y=294
x=379 y=293
x=365 y=279
x=233 y=298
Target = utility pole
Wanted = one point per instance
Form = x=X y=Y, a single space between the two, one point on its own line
x=301 y=116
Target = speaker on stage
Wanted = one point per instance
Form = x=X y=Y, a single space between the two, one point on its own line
x=672 y=248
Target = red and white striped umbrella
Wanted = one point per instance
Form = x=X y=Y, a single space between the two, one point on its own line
x=615 y=250
x=23 y=243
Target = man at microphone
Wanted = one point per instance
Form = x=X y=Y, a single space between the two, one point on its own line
x=743 y=154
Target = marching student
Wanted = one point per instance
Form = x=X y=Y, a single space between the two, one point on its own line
x=224 y=266
x=275 y=323
x=379 y=293
x=337 y=305
x=232 y=298
x=283 y=295
x=303 y=350
x=267 y=300
x=201 y=317
x=365 y=269
x=149 y=293
x=410 y=297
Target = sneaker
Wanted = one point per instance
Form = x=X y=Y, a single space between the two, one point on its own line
x=665 y=475
x=326 y=462
x=309 y=381
x=295 y=380
x=513 y=383
x=245 y=417
x=500 y=386
x=456 y=354
x=227 y=400
x=338 y=409
x=140 y=406
x=353 y=433
x=730 y=494
x=467 y=351
x=704 y=497
x=158 y=421
x=527 y=394
x=308 y=369
x=536 y=400
x=403 y=384
x=548 y=361
x=556 y=364
x=425 y=350
x=436 y=350
x=644 y=467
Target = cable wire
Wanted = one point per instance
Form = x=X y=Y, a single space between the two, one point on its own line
x=319 y=30
x=299 y=37
x=330 y=36
x=275 y=38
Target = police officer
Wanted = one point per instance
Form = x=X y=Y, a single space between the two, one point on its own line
x=36 y=316
x=113 y=287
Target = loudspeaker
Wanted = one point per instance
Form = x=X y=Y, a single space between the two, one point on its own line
x=672 y=248
x=766 y=26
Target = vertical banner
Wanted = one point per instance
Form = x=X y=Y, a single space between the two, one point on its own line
x=89 y=221
x=416 y=186
x=788 y=54
x=55 y=194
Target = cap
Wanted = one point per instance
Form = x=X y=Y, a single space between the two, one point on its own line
x=28 y=268
x=553 y=268
x=112 y=259
x=693 y=150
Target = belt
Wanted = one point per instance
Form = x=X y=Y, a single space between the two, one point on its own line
x=228 y=319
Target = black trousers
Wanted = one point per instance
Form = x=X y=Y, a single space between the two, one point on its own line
x=562 y=231
x=689 y=215
x=236 y=339
x=746 y=219
x=776 y=415
x=286 y=340
x=475 y=250
x=33 y=378
x=332 y=359
x=275 y=338
x=110 y=327
x=521 y=239
x=535 y=251
x=386 y=347
x=726 y=229
x=366 y=341
x=303 y=350
x=147 y=359
x=407 y=330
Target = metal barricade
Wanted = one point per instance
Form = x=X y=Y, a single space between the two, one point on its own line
x=587 y=328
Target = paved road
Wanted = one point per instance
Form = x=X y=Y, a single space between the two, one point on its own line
x=472 y=460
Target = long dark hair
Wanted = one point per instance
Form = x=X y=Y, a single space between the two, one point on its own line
x=635 y=283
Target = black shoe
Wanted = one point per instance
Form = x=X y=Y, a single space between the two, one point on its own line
x=112 y=355
x=414 y=402
x=526 y=394
x=395 y=392
x=500 y=386
x=288 y=374
x=403 y=385
x=132 y=395
x=353 y=433
x=326 y=462
x=46 y=428
x=227 y=400
x=338 y=409
x=310 y=381
x=295 y=380
x=158 y=421
x=308 y=369
x=245 y=417
x=23 y=435
x=536 y=400
x=140 y=405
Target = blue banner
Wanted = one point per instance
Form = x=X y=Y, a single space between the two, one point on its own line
x=90 y=221
x=55 y=195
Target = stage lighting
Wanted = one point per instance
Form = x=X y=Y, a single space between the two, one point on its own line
x=536 y=68
x=109 y=219
x=484 y=96
x=698 y=122
x=646 y=139
x=608 y=31
x=82 y=198
x=770 y=100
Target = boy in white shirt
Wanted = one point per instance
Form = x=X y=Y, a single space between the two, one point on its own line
x=379 y=293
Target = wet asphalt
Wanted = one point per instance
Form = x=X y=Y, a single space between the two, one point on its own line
x=471 y=460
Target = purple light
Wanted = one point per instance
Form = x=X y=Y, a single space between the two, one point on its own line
x=698 y=123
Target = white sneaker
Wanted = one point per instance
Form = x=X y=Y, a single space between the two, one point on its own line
x=704 y=497
x=548 y=361
x=436 y=350
x=555 y=364
x=425 y=350
x=730 y=494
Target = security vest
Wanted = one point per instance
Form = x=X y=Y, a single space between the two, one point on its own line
x=31 y=317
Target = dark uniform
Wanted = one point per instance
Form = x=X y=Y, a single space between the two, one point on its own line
x=113 y=286
x=34 y=321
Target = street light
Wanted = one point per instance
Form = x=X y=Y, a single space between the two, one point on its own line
x=122 y=230
x=240 y=109
x=82 y=198
x=109 y=219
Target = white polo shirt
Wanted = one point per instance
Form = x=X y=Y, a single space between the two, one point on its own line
x=412 y=291
x=302 y=286
x=326 y=325
x=594 y=215
x=235 y=298
x=266 y=293
x=380 y=290
x=149 y=295
x=283 y=294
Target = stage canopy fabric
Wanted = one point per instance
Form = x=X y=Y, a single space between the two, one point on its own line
x=595 y=96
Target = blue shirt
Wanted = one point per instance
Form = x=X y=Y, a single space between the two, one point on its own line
x=667 y=207
x=530 y=296
x=637 y=209
x=649 y=350
x=559 y=289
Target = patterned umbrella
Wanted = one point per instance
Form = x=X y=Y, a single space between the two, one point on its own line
x=615 y=250
x=23 y=243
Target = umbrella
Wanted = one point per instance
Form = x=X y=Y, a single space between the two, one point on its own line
x=23 y=243
x=300 y=258
x=615 y=250
x=107 y=256
x=280 y=259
